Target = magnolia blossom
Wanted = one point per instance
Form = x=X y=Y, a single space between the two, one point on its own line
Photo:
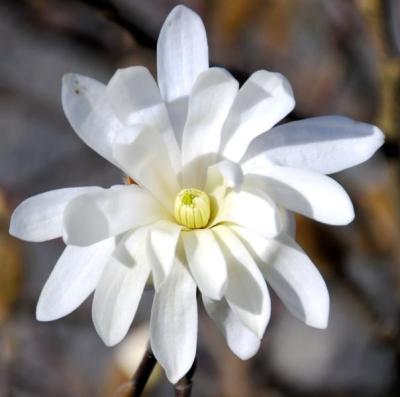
x=210 y=205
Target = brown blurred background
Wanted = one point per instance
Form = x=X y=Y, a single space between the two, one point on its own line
x=341 y=56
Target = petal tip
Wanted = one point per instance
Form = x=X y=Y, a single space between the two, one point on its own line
x=13 y=229
x=181 y=9
x=319 y=323
x=104 y=334
x=320 y=317
x=348 y=215
x=108 y=340
x=69 y=82
x=42 y=315
x=247 y=354
x=175 y=375
x=380 y=137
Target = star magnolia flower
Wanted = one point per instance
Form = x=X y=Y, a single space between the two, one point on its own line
x=211 y=206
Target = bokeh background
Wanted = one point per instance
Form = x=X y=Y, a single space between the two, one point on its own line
x=341 y=56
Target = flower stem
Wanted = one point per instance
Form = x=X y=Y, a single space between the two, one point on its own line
x=143 y=373
x=184 y=386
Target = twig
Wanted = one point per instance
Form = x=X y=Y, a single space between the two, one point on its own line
x=143 y=373
x=112 y=13
x=184 y=386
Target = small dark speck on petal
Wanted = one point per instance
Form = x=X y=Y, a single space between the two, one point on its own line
x=77 y=92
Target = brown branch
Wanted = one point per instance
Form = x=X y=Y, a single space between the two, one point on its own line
x=143 y=373
x=112 y=13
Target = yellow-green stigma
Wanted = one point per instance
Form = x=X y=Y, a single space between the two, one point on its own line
x=192 y=208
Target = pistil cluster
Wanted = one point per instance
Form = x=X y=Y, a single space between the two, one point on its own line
x=192 y=208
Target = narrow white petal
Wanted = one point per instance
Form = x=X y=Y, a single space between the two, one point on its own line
x=210 y=100
x=173 y=324
x=307 y=192
x=292 y=275
x=96 y=216
x=206 y=262
x=136 y=99
x=221 y=176
x=89 y=112
x=247 y=292
x=239 y=338
x=264 y=99
x=161 y=245
x=73 y=279
x=253 y=210
x=39 y=218
x=225 y=172
x=323 y=144
x=144 y=157
x=119 y=291
x=182 y=53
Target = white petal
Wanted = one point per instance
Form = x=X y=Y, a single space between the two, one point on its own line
x=247 y=292
x=182 y=53
x=88 y=110
x=314 y=195
x=160 y=248
x=221 y=176
x=95 y=216
x=119 y=291
x=144 y=157
x=173 y=324
x=239 y=338
x=264 y=99
x=210 y=100
x=206 y=262
x=288 y=221
x=231 y=172
x=253 y=210
x=292 y=275
x=323 y=144
x=73 y=279
x=39 y=218
x=136 y=99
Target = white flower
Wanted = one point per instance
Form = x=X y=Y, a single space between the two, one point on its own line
x=212 y=204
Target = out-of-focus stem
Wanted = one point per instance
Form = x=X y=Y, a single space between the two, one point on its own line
x=143 y=373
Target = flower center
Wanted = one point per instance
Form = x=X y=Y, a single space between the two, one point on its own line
x=192 y=208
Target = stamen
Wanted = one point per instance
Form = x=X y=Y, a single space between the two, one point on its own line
x=192 y=208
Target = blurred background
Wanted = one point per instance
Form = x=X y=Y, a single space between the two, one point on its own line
x=341 y=56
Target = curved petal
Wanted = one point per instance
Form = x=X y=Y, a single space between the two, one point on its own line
x=292 y=275
x=252 y=210
x=288 y=222
x=39 y=218
x=136 y=99
x=182 y=54
x=323 y=144
x=144 y=157
x=73 y=279
x=206 y=262
x=160 y=248
x=173 y=323
x=314 y=195
x=119 y=291
x=230 y=172
x=239 y=338
x=88 y=110
x=96 y=216
x=209 y=103
x=247 y=293
x=264 y=99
